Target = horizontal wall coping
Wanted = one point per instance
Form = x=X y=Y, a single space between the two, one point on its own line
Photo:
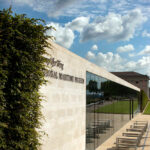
x=93 y=68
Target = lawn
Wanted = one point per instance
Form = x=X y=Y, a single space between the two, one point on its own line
x=147 y=110
x=119 y=107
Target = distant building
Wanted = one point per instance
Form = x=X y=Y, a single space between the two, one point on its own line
x=137 y=79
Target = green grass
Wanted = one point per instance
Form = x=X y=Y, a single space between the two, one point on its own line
x=147 y=110
x=119 y=107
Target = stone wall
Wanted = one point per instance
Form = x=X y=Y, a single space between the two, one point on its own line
x=64 y=107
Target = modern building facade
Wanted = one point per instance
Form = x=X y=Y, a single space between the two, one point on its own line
x=139 y=80
x=84 y=104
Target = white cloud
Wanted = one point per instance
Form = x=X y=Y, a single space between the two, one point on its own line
x=53 y=8
x=90 y=55
x=59 y=6
x=142 y=65
x=109 y=61
x=56 y=8
x=64 y=36
x=126 y=48
x=132 y=54
x=25 y=2
x=144 y=1
x=145 y=34
x=144 y=62
x=114 y=27
x=114 y=62
x=94 y=47
x=78 y=23
x=100 y=1
x=145 y=51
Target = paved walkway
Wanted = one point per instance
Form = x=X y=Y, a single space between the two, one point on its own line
x=145 y=142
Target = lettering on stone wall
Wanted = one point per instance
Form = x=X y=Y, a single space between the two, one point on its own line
x=51 y=74
x=61 y=76
x=55 y=63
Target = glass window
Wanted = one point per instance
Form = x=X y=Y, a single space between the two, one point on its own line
x=109 y=106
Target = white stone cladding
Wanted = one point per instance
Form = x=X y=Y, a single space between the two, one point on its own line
x=64 y=107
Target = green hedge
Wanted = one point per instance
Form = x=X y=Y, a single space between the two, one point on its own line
x=147 y=109
x=22 y=67
x=144 y=99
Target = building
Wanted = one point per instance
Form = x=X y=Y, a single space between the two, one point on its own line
x=84 y=104
x=137 y=79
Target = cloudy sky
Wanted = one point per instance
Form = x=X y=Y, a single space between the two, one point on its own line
x=114 y=34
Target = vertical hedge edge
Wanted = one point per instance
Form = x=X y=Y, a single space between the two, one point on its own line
x=22 y=65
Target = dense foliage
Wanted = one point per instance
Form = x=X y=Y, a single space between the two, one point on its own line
x=114 y=89
x=147 y=109
x=144 y=99
x=22 y=65
x=92 y=86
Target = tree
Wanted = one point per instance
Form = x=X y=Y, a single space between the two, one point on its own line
x=92 y=86
x=22 y=65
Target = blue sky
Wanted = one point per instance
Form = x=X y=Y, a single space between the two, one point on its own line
x=114 y=34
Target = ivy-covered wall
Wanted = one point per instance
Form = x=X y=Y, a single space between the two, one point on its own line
x=22 y=66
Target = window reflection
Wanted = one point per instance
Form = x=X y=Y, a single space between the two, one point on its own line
x=109 y=106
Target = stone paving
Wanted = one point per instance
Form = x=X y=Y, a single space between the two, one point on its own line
x=145 y=142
